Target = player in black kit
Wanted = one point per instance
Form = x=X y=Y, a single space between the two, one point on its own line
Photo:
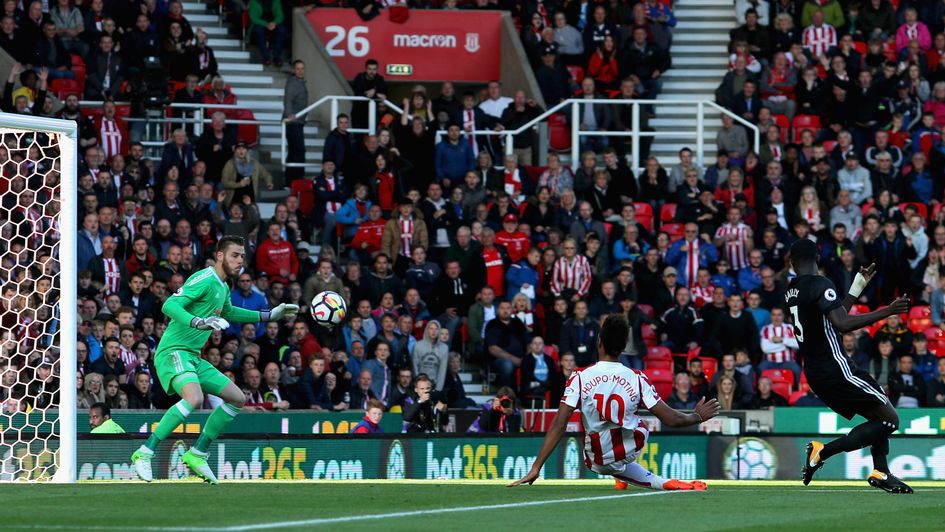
x=819 y=319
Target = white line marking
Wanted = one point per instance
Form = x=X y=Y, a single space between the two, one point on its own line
x=435 y=511
x=344 y=519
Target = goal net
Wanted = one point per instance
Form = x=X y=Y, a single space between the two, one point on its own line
x=38 y=234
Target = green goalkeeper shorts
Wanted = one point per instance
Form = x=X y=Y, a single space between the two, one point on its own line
x=177 y=368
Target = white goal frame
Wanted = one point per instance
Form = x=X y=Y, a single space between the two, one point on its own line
x=67 y=131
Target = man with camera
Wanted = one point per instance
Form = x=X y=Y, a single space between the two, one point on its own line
x=423 y=411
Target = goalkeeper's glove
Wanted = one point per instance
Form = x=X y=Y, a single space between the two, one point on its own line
x=205 y=324
x=283 y=310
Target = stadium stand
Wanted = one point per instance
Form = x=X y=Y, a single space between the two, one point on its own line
x=851 y=117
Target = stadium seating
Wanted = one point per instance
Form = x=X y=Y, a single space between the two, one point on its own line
x=709 y=367
x=661 y=379
x=780 y=379
x=921 y=207
x=674 y=230
x=657 y=363
x=644 y=214
x=559 y=133
x=659 y=352
x=668 y=213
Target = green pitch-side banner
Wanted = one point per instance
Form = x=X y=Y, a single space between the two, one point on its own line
x=914 y=421
x=782 y=457
x=394 y=457
x=144 y=421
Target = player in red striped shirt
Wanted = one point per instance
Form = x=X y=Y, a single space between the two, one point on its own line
x=609 y=396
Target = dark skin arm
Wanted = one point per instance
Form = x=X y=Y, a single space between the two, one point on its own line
x=867 y=272
x=844 y=322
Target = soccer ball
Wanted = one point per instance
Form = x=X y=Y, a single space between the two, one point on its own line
x=750 y=459
x=328 y=309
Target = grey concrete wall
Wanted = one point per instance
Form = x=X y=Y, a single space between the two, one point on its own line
x=515 y=70
x=322 y=75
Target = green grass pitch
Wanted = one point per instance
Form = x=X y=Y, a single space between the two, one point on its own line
x=462 y=505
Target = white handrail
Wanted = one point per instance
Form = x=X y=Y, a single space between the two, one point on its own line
x=697 y=134
x=333 y=103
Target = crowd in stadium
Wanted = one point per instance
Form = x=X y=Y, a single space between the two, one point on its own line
x=454 y=257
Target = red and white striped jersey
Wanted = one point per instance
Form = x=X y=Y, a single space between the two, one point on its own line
x=575 y=275
x=112 y=276
x=735 y=250
x=609 y=395
x=782 y=351
x=127 y=356
x=109 y=136
x=819 y=40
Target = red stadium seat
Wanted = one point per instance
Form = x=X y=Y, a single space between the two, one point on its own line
x=248 y=133
x=577 y=73
x=860 y=46
x=693 y=353
x=859 y=309
x=802 y=122
x=559 y=132
x=784 y=123
x=552 y=352
x=935 y=209
x=649 y=336
x=675 y=231
x=657 y=363
x=782 y=388
x=921 y=207
x=796 y=396
x=875 y=327
x=659 y=352
x=935 y=334
x=644 y=214
x=709 y=367
x=920 y=311
x=64 y=87
x=304 y=191
x=78 y=68
x=780 y=376
x=661 y=379
x=918 y=325
x=829 y=145
x=803 y=383
x=647 y=309
x=937 y=347
x=667 y=213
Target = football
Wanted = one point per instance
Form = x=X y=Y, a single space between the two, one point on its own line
x=328 y=309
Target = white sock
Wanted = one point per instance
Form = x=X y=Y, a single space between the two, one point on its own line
x=145 y=450
x=193 y=450
x=637 y=475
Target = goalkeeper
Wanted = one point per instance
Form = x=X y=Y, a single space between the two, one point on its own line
x=200 y=306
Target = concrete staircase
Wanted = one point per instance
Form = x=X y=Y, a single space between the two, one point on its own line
x=256 y=87
x=700 y=59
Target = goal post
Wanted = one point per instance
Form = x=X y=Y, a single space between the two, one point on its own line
x=38 y=238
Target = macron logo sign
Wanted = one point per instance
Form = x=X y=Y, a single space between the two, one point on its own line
x=402 y=40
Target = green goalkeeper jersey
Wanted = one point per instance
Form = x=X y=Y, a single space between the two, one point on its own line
x=204 y=295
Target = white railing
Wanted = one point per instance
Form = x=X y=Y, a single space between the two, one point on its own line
x=334 y=103
x=572 y=108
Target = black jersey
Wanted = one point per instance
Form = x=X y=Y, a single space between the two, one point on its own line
x=809 y=298
x=844 y=388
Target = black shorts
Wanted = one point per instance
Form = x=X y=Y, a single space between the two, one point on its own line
x=848 y=394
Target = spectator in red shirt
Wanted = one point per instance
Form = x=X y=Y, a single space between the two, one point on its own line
x=496 y=259
x=276 y=257
x=303 y=340
x=515 y=241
